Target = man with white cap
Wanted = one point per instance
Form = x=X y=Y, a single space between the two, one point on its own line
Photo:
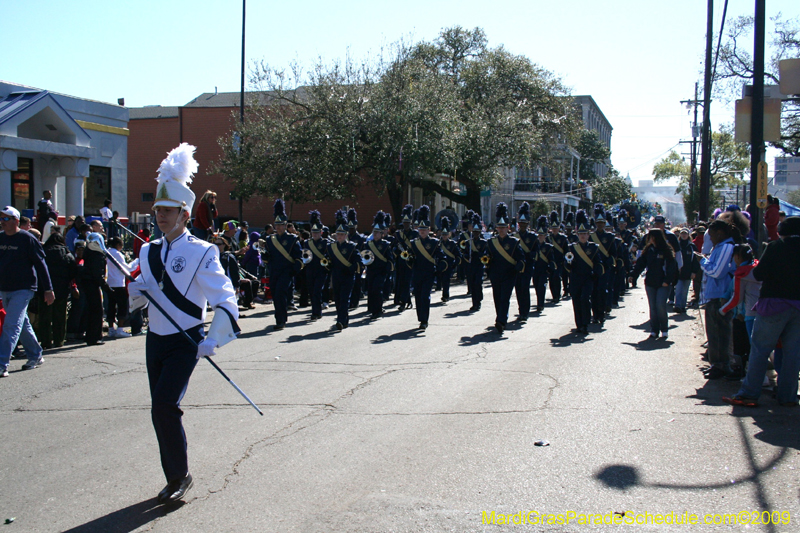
x=22 y=271
x=182 y=274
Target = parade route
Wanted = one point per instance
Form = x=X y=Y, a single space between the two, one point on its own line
x=383 y=427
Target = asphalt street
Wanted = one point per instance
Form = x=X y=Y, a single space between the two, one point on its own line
x=382 y=427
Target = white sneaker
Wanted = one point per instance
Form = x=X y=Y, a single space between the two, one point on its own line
x=121 y=333
x=664 y=335
x=4 y=373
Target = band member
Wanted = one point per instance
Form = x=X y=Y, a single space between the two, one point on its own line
x=317 y=266
x=628 y=238
x=284 y=259
x=605 y=242
x=476 y=258
x=584 y=267
x=505 y=261
x=378 y=267
x=428 y=259
x=358 y=239
x=560 y=243
x=403 y=273
x=569 y=222
x=344 y=264
x=452 y=258
x=390 y=240
x=183 y=275
x=545 y=264
x=527 y=242
x=463 y=240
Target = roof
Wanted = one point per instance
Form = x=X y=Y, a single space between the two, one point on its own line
x=587 y=99
x=232 y=99
x=17 y=102
x=153 y=111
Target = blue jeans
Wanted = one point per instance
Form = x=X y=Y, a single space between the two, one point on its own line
x=657 y=298
x=17 y=327
x=682 y=293
x=767 y=330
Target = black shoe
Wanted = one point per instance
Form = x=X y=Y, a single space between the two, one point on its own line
x=522 y=319
x=500 y=327
x=423 y=325
x=585 y=330
x=314 y=317
x=95 y=343
x=175 y=490
x=375 y=316
x=445 y=300
x=338 y=326
x=278 y=327
x=715 y=373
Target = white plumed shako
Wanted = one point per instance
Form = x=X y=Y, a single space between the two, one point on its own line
x=174 y=177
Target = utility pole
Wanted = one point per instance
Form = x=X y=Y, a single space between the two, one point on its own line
x=241 y=99
x=695 y=134
x=757 y=124
x=705 y=160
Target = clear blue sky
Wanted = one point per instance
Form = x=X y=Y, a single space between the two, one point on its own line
x=637 y=58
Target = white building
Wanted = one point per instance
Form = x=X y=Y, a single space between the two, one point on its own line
x=787 y=175
x=74 y=147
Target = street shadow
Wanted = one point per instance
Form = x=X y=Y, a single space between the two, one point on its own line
x=399 y=336
x=489 y=335
x=456 y=314
x=310 y=336
x=650 y=345
x=643 y=326
x=569 y=339
x=619 y=477
x=682 y=317
x=128 y=519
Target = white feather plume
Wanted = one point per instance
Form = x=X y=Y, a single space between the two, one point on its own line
x=179 y=165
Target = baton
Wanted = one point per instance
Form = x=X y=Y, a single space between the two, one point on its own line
x=129 y=231
x=175 y=324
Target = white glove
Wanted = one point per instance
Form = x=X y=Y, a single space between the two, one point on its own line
x=136 y=299
x=206 y=347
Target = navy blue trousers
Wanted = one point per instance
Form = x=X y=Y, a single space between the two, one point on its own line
x=342 y=285
x=523 y=289
x=315 y=280
x=170 y=362
x=581 y=292
x=444 y=283
x=281 y=285
x=475 y=285
x=600 y=295
x=502 y=287
x=423 y=284
x=376 y=282
x=540 y=283
x=555 y=284
x=403 y=274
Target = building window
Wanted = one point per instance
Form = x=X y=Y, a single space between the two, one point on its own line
x=97 y=189
x=148 y=197
x=22 y=184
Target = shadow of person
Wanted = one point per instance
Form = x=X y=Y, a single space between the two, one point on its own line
x=490 y=335
x=456 y=314
x=569 y=339
x=620 y=477
x=324 y=334
x=400 y=335
x=644 y=326
x=650 y=344
x=128 y=519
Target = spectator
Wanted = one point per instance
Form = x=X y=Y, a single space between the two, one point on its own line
x=204 y=215
x=52 y=326
x=76 y=321
x=23 y=270
x=43 y=210
x=772 y=217
x=687 y=271
x=73 y=232
x=252 y=259
x=144 y=236
x=777 y=318
x=240 y=237
x=781 y=216
x=744 y=296
x=113 y=230
x=118 y=294
x=719 y=269
x=47 y=228
x=105 y=211
x=25 y=223
x=93 y=280
x=97 y=227
x=231 y=267
x=658 y=258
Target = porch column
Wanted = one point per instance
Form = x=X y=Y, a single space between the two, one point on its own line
x=8 y=163
x=74 y=195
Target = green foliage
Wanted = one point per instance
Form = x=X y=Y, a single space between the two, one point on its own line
x=729 y=160
x=592 y=150
x=793 y=197
x=452 y=106
x=540 y=207
x=613 y=189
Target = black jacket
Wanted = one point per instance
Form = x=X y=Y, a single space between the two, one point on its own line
x=779 y=269
x=62 y=267
x=660 y=269
x=94 y=268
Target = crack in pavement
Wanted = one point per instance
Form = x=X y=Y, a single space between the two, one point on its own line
x=193 y=406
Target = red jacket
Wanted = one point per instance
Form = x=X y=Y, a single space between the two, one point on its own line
x=204 y=216
x=771 y=220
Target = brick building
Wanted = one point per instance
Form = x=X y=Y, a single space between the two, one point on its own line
x=155 y=130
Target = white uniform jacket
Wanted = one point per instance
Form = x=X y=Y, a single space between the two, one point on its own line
x=182 y=276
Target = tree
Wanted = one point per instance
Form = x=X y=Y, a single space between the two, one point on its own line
x=735 y=66
x=612 y=189
x=793 y=197
x=729 y=161
x=540 y=207
x=452 y=106
x=592 y=150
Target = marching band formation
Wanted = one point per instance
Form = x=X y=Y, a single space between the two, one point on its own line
x=582 y=259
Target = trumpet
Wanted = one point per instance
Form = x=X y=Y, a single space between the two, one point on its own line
x=485 y=259
x=367 y=257
x=463 y=244
x=324 y=262
x=405 y=255
x=568 y=257
x=307 y=256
